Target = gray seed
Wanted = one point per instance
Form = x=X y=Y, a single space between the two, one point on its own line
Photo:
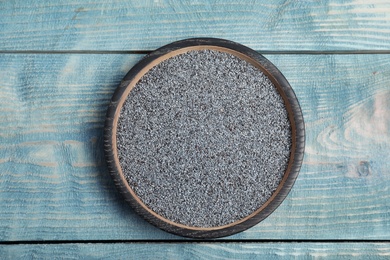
x=204 y=139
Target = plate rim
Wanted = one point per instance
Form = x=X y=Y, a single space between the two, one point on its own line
x=284 y=89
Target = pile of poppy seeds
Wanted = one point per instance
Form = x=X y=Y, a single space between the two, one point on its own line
x=204 y=138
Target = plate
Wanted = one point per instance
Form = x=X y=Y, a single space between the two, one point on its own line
x=205 y=121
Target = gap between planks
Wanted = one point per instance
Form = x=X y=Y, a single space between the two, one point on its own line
x=191 y=241
x=284 y=52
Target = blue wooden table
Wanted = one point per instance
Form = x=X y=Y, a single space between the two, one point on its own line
x=60 y=62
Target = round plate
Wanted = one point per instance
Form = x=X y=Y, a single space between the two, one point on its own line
x=245 y=53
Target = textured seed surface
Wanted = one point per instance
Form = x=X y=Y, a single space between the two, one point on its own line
x=204 y=139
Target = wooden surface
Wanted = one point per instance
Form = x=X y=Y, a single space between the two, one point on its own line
x=206 y=251
x=59 y=66
x=146 y=25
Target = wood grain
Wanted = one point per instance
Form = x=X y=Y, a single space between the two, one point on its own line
x=145 y=24
x=200 y=251
x=54 y=184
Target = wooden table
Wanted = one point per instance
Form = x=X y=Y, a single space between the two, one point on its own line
x=60 y=63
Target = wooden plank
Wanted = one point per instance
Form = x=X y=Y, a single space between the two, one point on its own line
x=199 y=251
x=146 y=25
x=54 y=184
